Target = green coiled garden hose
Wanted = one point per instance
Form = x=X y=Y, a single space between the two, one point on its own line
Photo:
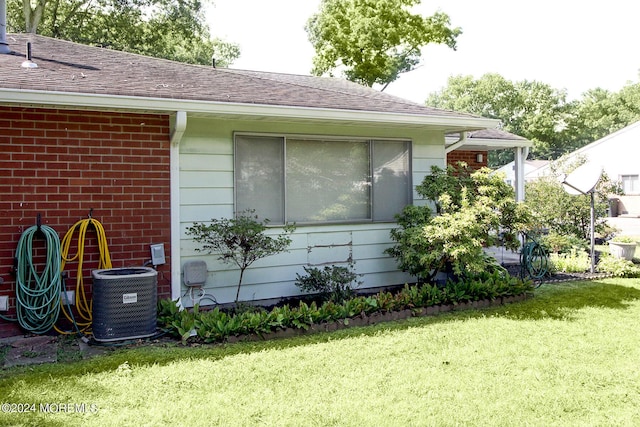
x=38 y=293
x=534 y=260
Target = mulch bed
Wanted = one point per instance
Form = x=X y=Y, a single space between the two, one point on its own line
x=559 y=277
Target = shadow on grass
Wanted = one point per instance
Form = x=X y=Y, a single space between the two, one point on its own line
x=558 y=301
x=552 y=301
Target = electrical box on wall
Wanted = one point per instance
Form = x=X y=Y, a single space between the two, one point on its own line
x=195 y=273
x=68 y=297
x=4 y=303
x=157 y=254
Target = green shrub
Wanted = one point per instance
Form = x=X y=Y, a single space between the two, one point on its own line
x=474 y=210
x=218 y=325
x=623 y=239
x=562 y=243
x=618 y=267
x=555 y=209
x=488 y=284
x=168 y=310
x=332 y=283
x=184 y=324
x=572 y=262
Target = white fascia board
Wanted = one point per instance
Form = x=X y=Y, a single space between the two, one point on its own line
x=86 y=100
x=492 y=144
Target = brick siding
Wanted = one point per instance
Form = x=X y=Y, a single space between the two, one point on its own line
x=62 y=164
x=469 y=157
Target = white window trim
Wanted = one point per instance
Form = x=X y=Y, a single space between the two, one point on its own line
x=631 y=177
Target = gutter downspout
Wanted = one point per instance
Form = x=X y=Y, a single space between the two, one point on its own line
x=459 y=143
x=4 y=46
x=177 y=133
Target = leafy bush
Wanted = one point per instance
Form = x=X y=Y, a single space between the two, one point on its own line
x=332 y=283
x=572 y=262
x=565 y=214
x=474 y=210
x=623 y=239
x=487 y=284
x=618 y=267
x=218 y=325
x=167 y=311
x=555 y=242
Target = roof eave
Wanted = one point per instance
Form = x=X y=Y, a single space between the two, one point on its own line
x=196 y=107
x=484 y=144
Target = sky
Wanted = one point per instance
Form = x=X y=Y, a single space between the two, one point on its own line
x=567 y=44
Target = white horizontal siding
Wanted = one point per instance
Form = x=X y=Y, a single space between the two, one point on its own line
x=206 y=192
x=208 y=162
x=205 y=196
x=204 y=213
x=206 y=179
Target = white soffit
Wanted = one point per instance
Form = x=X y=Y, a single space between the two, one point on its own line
x=482 y=144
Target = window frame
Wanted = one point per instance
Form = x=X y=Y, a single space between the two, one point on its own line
x=632 y=178
x=408 y=142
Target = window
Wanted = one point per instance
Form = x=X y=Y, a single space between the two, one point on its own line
x=311 y=180
x=630 y=184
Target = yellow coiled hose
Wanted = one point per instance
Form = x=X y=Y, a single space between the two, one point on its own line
x=83 y=306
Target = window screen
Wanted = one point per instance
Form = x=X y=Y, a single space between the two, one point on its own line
x=315 y=180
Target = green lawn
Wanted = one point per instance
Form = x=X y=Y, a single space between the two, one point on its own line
x=569 y=356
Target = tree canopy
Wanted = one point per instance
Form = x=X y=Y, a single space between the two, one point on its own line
x=539 y=112
x=373 y=41
x=530 y=109
x=601 y=112
x=170 y=29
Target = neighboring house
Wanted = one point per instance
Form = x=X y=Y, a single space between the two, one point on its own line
x=532 y=169
x=150 y=146
x=618 y=156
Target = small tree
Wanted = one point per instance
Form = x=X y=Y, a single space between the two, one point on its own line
x=240 y=240
x=565 y=214
x=474 y=210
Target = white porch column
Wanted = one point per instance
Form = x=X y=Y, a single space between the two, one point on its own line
x=521 y=154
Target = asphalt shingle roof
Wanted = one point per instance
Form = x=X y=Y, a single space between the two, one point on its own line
x=70 y=67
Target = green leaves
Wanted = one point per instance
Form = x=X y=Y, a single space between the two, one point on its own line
x=170 y=29
x=618 y=267
x=332 y=283
x=558 y=211
x=540 y=113
x=601 y=112
x=218 y=325
x=475 y=210
x=374 y=40
x=529 y=109
x=240 y=240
